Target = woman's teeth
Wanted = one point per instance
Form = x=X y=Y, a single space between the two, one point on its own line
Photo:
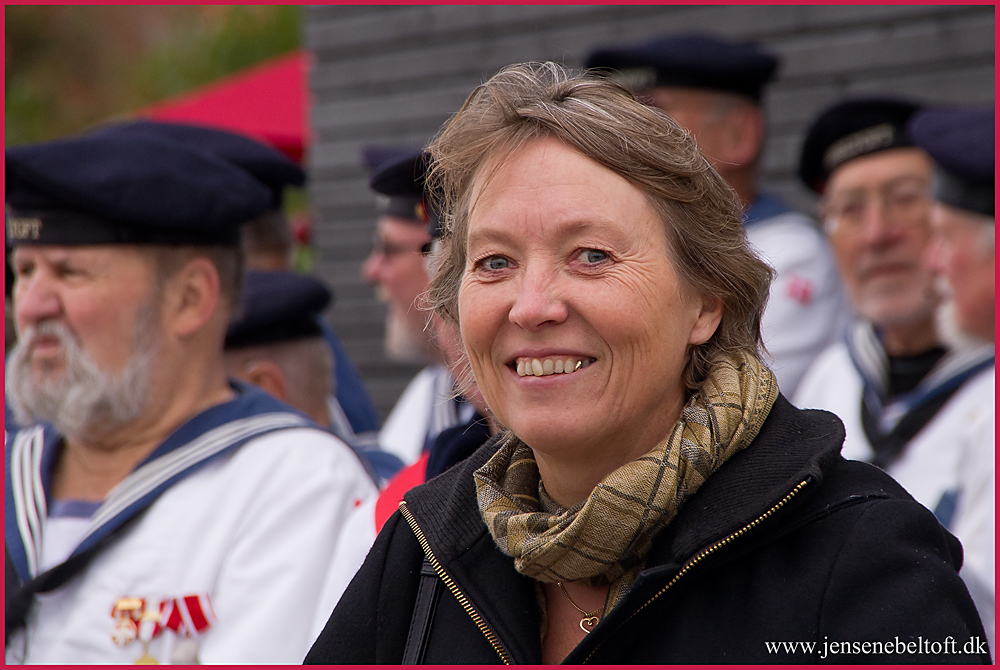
x=533 y=367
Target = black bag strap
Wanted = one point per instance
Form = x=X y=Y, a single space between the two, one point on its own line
x=423 y=612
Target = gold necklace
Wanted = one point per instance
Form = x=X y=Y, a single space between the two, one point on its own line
x=589 y=619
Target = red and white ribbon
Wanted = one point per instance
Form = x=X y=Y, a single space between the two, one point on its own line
x=187 y=616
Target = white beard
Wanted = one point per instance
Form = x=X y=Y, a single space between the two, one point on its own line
x=403 y=342
x=83 y=401
x=948 y=330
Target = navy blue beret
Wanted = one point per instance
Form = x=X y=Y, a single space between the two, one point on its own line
x=269 y=166
x=690 y=60
x=112 y=190
x=377 y=157
x=397 y=181
x=277 y=306
x=403 y=182
x=851 y=129
x=961 y=142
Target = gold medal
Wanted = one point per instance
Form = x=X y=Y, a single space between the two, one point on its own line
x=124 y=632
x=126 y=612
x=147 y=628
x=146 y=658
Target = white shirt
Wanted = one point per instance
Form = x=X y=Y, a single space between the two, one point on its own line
x=807 y=310
x=254 y=530
x=426 y=407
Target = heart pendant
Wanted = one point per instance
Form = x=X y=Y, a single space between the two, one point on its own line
x=587 y=623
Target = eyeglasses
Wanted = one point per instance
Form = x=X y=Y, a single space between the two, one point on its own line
x=903 y=203
x=391 y=249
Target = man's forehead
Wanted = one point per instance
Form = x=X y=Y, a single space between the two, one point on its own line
x=114 y=255
x=396 y=227
x=879 y=169
x=663 y=96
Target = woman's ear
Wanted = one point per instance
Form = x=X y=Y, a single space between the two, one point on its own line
x=708 y=320
x=192 y=297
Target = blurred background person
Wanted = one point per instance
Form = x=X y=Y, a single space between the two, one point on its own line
x=276 y=342
x=266 y=240
x=396 y=266
x=450 y=447
x=712 y=87
x=165 y=513
x=962 y=252
x=892 y=381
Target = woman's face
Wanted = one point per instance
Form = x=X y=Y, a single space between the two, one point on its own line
x=568 y=268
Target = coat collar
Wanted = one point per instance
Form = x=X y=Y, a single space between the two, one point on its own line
x=792 y=446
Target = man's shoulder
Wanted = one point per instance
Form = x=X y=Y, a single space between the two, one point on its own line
x=827 y=375
x=306 y=449
x=791 y=235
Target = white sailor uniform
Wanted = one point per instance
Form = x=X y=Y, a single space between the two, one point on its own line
x=219 y=542
x=427 y=406
x=807 y=310
x=948 y=466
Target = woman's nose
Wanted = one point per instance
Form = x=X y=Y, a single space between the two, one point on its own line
x=538 y=302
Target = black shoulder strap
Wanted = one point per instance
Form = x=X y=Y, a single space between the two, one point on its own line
x=19 y=600
x=11 y=579
x=423 y=612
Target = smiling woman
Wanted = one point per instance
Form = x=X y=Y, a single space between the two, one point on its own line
x=650 y=482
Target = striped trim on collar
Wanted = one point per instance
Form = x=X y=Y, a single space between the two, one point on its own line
x=872 y=362
x=213 y=433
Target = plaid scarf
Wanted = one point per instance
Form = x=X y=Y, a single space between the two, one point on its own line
x=605 y=538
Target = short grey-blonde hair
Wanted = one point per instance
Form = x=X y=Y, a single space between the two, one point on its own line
x=605 y=122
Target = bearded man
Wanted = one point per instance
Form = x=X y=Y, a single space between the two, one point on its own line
x=397 y=266
x=963 y=254
x=157 y=512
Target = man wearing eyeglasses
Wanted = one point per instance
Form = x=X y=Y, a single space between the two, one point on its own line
x=397 y=267
x=892 y=380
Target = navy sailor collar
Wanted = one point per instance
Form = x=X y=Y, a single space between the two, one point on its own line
x=31 y=455
x=871 y=361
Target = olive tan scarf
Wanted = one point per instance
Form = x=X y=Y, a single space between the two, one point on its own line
x=605 y=538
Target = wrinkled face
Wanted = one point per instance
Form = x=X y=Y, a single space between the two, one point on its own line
x=575 y=322
x=95 y=291
x=963 y=253
x=89 y=328
x=396 y=267
x=876 y=211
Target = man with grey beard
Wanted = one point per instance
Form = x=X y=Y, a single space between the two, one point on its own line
x=963 y=254
x=156 y=510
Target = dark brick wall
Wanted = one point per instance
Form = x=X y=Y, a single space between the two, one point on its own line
x=393 y=74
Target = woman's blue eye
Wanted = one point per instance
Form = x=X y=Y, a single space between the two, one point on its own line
x=496 y=263
x=593 y=255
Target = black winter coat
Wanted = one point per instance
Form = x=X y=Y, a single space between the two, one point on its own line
x=786 y=543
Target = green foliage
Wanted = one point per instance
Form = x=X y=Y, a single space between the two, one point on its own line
x=71 y=67
x=199 y=56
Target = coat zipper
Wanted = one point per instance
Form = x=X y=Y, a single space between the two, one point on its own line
x=450 y=583
x=704 y=553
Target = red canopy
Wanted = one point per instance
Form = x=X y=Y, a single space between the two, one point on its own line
x=266 y=102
